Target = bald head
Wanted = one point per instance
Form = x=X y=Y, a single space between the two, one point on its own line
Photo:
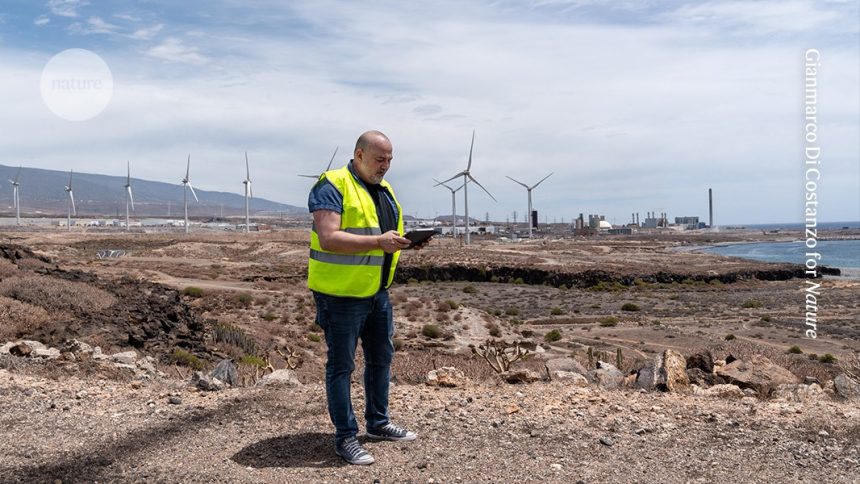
x=370 y=137
x=372 y=156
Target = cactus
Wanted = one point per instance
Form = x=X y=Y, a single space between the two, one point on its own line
x=619 y=358
x=590 y=353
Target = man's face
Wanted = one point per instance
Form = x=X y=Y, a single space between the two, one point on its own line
x=372 y=163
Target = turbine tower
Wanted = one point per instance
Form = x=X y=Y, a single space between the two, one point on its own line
x=71 y=202
x=129 y=199
x=15 y=201
x=327 y=168
x=248 y=194
x=186 y=184
x=467 y=175
x=453 y=204
x=529 y=190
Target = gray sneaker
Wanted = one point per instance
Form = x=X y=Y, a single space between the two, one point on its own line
x=390 y=431
x=352 y=452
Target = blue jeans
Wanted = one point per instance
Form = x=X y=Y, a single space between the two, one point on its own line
x=344 y=320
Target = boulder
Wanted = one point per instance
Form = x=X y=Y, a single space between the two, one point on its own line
x=77 y=346
x=4 y=349
x=702 y=360
x=21 y=350
x=47 y=353
x=226 y=371
x=570 y=377
x=758 y=374
x=566 y=365
x=206 y=383
x=699 y=377
x=607 y=376
x=671 y=371
x=281 y=377
x=797 y=392
x=125 y=358
x=447 y=376
x=520 y=376
x=846 y=388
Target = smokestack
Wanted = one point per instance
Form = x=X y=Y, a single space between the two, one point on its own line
x=710 y=208
x=633 y=218
x=637 y=218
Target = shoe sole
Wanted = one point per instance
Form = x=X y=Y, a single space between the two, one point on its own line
x=358 y=462
x=408 y=438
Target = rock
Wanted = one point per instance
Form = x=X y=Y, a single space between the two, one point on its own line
x=226 y=371
x=4 y=349
x=20 y=350
x=798 y=392
x=281 y=377
x=809 y=380
x=846 y=388
x=758 y=374
x=206 y=383
x=174 y=400
x=646 y=376
x=47 y=353
x=703 y=361
x=147 y=364
x=720 y=391
x=699 y=377
x=512 y=408
x=573 y=378
x=602 y=365
x=607 y=376
x=98 y=355
x=640 y=431
x=447 y=376
x=126 y=357
x=565 y=364
x=671 y=372
x=77 y=346
x=729 y=359
x=607 y=441
x=520 y=376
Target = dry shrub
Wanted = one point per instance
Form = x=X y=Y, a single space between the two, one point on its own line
x=850 y=365
x=8 y=269
x=412 y=369
x=55 y=294
x=18 y=318
x=31 y=264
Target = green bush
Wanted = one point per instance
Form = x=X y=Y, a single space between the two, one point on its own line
x=192 y=291
x=253 y=360
x=512 y=311
x=609 y=321
x=639 y=282
x=730 y=337
x=398 y=344
x=431 y=331
x=715 y=282
x=552 y=336
x=827 y=358
x=470 y=290
x=556 y=311
x=495 y=331
x=630 y=307
x=314 y=337
x=519 y=280
x=269 y=316
x=795 y=350
x=412 y=280
x=242 y=299
x=182 y=357
x=752 y=303
x=766 y=318
x=452 y=304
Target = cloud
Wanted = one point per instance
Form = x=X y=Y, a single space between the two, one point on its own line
x=147 y=33
x=173 y=50
x=41 y=20
x=66 y=8
x=93 y=25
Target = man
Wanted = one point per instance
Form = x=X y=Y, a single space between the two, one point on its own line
x=355 y=244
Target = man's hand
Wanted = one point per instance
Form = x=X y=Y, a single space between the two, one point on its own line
x=391 y=242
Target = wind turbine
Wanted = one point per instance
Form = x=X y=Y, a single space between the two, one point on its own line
x=327 y=168
x=186 y=184
x=467 y=175
x=15 y=202
x=529 y=190
x=71 y=202
x=453 y=204
x=248 y=194
x=128 y=198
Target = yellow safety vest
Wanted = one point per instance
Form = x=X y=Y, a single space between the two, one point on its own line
x=359 y=274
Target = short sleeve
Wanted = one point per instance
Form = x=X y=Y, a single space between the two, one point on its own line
x=324 y=196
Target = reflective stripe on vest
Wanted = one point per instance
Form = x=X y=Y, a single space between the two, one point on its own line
x=359 y=274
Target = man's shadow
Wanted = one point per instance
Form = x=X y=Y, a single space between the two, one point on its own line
x=309 y=449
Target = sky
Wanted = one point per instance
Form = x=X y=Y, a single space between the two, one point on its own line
x=635 y=106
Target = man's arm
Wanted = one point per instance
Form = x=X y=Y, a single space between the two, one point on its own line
x=333 y=239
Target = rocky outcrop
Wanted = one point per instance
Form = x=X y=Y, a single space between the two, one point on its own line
x=606 y=375
x=846 y=388
x=523 y=375
x=758 y=374
x=565 y=365
x=667 y=372
x=281 y=377
x=719 y=391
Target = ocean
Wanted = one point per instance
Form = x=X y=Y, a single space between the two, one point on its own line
x=844 y=254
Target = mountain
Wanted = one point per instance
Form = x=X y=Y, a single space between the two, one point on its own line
x=42 y=191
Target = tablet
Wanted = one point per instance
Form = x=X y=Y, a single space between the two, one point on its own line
x=418 y=236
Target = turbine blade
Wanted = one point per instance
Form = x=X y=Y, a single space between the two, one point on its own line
x=72 y=198
x=17 y=175
x=332 y=158
x=247 y=167
x=482 y=187
x=130 y=198
x=70 y=179
x=192 y=192
x=542 y=179
x=469 y=167
x=519 y=182
x=250 y=189
x=188 y=167
x=128 y=176
x=440 y=183
x=310 y=176
x=455 y=176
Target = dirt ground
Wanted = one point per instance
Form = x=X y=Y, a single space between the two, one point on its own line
x=640 y=294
